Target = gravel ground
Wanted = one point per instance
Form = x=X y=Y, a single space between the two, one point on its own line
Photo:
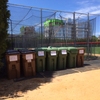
x=70 y=84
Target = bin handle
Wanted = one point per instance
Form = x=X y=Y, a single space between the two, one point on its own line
x=68 y=51
x=63 y=62
x=49 y=46
x=42 y=65
x=53 y=63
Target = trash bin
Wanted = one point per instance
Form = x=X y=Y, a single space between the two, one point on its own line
x=13 y=64
x=80 y=57
x=28 y=63
x=40 y=59
x=62 y=58
x=71 y=58
x=52 y=58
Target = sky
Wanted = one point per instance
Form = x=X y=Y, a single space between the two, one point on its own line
x=92 y=6
x=82 y=6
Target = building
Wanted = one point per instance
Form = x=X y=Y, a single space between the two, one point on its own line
x=57 y=28
x=52 y=27
x=65 y=28
x=81 y=29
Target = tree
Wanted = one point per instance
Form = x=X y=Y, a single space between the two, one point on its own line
x=94 y=38
x=4 y=17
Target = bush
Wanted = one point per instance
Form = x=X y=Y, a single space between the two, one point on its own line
x=4 y=17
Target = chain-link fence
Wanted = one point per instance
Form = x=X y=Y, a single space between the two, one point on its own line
x=31 y=27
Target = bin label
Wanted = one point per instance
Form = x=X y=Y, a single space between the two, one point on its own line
x=29 y=60
x=29 y=56
x=13 y=58
x=53 y=53
x=40 y=53
x=81 y=51
x=64 y=52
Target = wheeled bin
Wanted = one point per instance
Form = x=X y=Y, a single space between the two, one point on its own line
x=52 y=53
x=71 y=58
x=40 y=59
x=80 y=57
x=28 y=66
x=13 y=64
x=62 y=58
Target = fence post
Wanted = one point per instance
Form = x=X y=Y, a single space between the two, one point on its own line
x=74 y=29
x=41 y=28
x=88 y=38
x=12 y=46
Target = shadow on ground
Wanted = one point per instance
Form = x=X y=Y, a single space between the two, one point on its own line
x=12 y=89
x=88 y=66
x=16 y=88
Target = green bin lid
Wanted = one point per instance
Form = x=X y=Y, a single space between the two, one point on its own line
x=52 y=49
x=72 y=49
x=40 y=52
x=40 y=49
x=80 y=48
x=44 y=48
x=62 y=48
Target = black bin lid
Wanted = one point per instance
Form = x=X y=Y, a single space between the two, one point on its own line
x=12 y=52
x=24 y=51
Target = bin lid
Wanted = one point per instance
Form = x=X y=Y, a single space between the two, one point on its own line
x=62 y=48
x=81 y=50
x=44 y=48
x=12 y=52
x=52 y=51
x=25 y=51
x=72 y=49
x=52 y=48
x=41 y=49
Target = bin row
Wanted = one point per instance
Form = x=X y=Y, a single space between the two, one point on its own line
x=28 y=63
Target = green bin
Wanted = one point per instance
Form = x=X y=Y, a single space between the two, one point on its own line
x=62 y=57
x=52 y=58
x=40 y=59
x=71 y=58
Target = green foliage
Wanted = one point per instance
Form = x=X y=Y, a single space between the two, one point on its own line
x=4 y=17
x=94 y=38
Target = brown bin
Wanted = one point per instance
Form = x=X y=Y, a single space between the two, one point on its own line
x=80 y=57
x=13 y=64
x=28 y=63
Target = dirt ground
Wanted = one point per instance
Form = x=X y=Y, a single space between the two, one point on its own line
x=97 y=55
x=78 y=84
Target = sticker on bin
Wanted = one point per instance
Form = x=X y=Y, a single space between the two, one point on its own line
x=29 y=56
x=53 y=53
x=64 y=52
x=29 y=60
x=13 y=58
x=81 y=51
x=40 y=53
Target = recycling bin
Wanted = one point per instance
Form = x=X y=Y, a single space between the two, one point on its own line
x=62 y=58
x=80 y=57
x=13 y=64
x=52 y=53
x=71 y=58
x=28 y=66
x=40 y=59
